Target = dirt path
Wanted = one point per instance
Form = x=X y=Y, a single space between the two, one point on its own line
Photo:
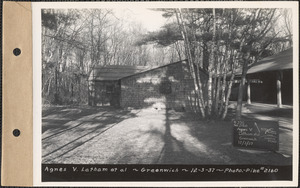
x=109 y=136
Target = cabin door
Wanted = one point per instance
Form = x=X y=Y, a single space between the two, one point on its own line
x=107 y=93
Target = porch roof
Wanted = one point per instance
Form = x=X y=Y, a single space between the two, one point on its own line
x=280 y=61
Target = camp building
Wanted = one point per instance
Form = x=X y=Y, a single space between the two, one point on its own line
x=269 y=80
x=167 y=86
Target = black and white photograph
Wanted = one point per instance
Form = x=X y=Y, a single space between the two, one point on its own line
x=167 y=94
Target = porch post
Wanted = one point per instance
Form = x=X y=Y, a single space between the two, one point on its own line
x=248 y=92
x=91 y=92
x=278 y=80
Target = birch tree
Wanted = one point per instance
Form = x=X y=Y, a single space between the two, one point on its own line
x=220 y=42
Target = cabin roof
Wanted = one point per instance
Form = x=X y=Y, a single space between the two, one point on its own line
x=280 y=61
x=115 y=72
x=158 y=67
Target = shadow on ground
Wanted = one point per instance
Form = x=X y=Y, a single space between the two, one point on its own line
x=87 y=135
x=67 y=128
x=203 y=142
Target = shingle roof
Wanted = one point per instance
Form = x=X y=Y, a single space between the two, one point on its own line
x=115 y=72
x=280 y=61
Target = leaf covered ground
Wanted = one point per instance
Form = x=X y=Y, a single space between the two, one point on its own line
x=104 y=135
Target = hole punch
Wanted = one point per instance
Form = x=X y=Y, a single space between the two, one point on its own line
x=17 y=51
x=16 y=132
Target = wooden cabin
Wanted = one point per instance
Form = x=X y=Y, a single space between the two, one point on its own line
x=167 y=86
x=105 y=84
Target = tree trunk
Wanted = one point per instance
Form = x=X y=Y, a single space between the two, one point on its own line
x=224 y=83
x=197 y=84
x=227 y=95
x=217 y=88
x=56 y=86
x=241 y=87
x=210 y=65
x=178 y=50
x=79 y=90
x=200 y=92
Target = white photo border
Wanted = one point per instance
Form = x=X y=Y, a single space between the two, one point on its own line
x=37 y=98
